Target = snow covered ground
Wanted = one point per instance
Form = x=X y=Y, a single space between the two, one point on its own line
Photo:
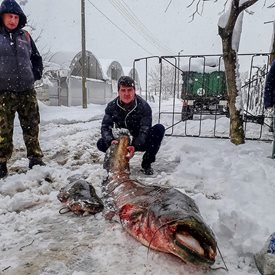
x=232 y=185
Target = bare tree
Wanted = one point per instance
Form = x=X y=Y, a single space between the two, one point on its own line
x=231 y=68
x=168 y=81
x=272 y=50
x=36 y=33
x=226 y=32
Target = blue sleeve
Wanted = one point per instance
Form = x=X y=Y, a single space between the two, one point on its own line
x=269 y=92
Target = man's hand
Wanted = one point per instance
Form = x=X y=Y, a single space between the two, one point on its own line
x=269 y=111
x=131 y=151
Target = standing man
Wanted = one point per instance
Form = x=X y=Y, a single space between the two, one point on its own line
x=20 y=66
x=132 y=112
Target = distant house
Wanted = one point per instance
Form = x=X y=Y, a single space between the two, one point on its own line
x=113 y=71
x=63 y=79
x=132 y=72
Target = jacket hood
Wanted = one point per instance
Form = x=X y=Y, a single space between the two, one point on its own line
x=11 y=6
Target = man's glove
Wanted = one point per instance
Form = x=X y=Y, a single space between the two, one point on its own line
x=269 y=112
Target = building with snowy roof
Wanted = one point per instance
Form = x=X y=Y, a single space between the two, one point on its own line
x=132 y=72
x=63 y=76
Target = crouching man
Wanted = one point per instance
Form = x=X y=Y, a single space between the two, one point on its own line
x=131 y=112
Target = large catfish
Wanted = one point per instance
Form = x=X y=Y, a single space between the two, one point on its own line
x=161 y=218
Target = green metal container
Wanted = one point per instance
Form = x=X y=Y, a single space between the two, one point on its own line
x=197 y=84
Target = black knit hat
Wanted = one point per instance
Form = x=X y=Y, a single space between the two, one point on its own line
x=126 y=81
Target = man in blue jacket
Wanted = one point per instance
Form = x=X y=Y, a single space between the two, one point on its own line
x=21 y=65
x=131 y=112
x=269 y=94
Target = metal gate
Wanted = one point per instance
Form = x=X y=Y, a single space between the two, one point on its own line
x=190 y=94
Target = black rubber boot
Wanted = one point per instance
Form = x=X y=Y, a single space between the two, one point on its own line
x=148 y=170
x=35 y=161
x=3 y=170
x=146 y=165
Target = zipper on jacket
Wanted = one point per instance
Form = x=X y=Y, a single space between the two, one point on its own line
x=125 y=122
x=17 y=62
x=11 y=39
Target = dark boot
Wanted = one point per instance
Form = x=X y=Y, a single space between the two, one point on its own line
x=3 y=170
x=146 y=165
x=147 y=169
x=35 y=161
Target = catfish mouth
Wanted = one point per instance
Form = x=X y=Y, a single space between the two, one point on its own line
x=196 y=243
x=63 y=196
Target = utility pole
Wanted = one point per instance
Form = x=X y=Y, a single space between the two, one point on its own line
x=84 y=63
x=178 y=95
x=272 y=54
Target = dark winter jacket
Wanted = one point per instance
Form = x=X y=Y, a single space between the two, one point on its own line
x=269 y=93
x=20 y=61
x=136 y=117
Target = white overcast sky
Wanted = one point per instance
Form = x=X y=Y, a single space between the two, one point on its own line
x=60 y=21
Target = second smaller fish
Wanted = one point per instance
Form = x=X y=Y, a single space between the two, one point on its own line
x=80 y=197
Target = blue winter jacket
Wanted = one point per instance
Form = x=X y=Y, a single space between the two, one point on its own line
x=20 y=61
x=269 y=93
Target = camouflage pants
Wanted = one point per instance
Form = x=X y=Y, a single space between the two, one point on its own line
x=25 y=104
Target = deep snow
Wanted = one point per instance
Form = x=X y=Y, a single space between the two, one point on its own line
x=232 y=185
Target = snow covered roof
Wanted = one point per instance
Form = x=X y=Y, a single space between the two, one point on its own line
x=132 y=72
x=127 y=70
x=204 y=64
x=71 y=61
x=51 y=66
x=97 y=68
x=112 y=69
x=63 y=59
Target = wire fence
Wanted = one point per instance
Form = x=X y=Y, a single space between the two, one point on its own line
x=191 y=94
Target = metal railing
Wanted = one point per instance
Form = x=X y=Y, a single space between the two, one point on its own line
x=209 y=116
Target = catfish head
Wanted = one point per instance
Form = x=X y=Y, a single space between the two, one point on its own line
x=116 y=158
x=170 y=223
x=80 y=197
